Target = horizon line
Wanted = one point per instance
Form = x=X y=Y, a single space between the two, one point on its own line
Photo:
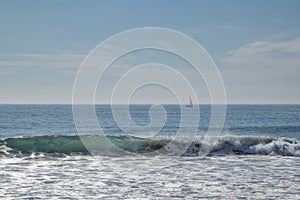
x=148 y=104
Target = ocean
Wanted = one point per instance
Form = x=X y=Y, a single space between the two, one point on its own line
x=256 y=156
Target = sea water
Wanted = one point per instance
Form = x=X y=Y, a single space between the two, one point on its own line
x=257 y=155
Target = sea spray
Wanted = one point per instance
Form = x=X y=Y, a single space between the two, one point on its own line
x=226 y=145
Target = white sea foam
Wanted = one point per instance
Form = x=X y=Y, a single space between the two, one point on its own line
x=187 y=146
x=85 y=177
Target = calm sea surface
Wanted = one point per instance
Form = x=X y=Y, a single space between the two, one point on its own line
x=262 y=120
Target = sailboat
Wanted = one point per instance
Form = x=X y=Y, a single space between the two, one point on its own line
x=190 y=104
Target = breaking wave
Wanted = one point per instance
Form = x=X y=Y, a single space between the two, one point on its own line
x=225 y=145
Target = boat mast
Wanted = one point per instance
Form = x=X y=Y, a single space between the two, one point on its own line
x=191 y=103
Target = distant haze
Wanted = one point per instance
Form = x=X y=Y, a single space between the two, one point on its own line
x=255 y=44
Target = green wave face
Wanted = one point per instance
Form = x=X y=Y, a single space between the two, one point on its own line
x=232 y=145
x=47 y=144
x=74 y=144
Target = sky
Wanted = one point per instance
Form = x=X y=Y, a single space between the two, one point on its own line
x=255 y=45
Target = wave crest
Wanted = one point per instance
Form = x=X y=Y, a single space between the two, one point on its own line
x=225 y=145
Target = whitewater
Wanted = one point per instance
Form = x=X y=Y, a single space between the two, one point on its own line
x=189 y=146
x=257 y=156
x=90 y=177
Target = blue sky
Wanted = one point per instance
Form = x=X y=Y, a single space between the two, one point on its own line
x=256 y=44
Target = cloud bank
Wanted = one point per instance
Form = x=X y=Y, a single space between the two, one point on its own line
x=263 y=72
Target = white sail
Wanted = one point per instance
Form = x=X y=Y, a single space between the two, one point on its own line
x=191 y=103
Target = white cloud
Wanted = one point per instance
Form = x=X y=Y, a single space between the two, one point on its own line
x=260 y=52
x=11 y=63
x=264 y=70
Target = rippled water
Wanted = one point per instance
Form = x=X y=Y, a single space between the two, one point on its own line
x=82 y=177
x=258 y=160
x=267 y=120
